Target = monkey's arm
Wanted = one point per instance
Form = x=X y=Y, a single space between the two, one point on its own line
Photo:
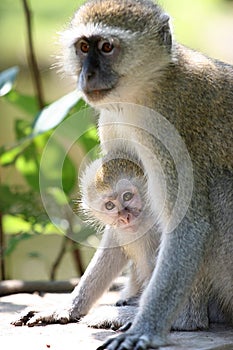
x=177 y=265
x=104 y=267
x=132 y=291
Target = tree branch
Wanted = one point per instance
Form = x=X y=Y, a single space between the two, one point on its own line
x=32 y=57
x=77 y=258
x=2 y=246
x=58 y=258
x=18 y=286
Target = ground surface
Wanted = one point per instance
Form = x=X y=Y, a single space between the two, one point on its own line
x=80 y=337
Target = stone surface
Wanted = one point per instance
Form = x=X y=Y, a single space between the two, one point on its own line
x=80 y=337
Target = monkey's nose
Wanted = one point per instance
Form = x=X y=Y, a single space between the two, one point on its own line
x=89 y=81
x=124 y=217
x=90 y=75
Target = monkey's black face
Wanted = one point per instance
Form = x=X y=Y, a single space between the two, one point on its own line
x=96 y=57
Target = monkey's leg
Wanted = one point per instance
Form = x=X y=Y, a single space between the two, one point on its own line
x=194 y=314
x=178 y=262
x=215 y=312
x=132 y=291
x=221 y=267
x=104 y=267
x=110 y=317
x=115 y=317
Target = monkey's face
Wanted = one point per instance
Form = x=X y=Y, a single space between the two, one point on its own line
x=107 y=68
x=121 y=207
x=117 y=49
x=96 y=57
x=121 y=204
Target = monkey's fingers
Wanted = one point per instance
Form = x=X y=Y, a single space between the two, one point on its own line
x=118 y=343
x=48 y=317
x=23 y=317
x=133 y=341
x=125 y=327
x=133 y=301
x=33 y=318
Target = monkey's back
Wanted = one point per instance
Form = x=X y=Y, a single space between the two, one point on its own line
x=196 y=95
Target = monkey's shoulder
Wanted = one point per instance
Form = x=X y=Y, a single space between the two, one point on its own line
x=196 y=85
x=201 y=67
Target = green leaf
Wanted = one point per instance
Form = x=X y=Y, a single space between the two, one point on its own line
x=26 y=103
x=15 y=224
x=25 y=138
x=89 y=140
x=7 y=198
x=55 y=172
x=22 y=132
x=28 y=165
x=58 y=195
x=52 y=115
x=8 y=157
x=22 y=129
x=69 y=175
x=80 y=105
x=7 y=79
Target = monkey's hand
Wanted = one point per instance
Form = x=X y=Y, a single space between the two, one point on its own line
x=134 y=340
x=110 y=317
x=132 y=301
x=32 y=318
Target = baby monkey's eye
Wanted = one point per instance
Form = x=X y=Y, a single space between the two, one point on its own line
x=105 y=46
x=127 y=196
x=109 y=205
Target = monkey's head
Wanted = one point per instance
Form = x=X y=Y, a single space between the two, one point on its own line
x=114 y=194
x=116 y=48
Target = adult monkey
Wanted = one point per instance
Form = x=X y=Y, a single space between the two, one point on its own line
x=123 y=51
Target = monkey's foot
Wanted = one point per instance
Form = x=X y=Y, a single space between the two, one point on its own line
x=32 y=318
x=133 y=341
x=110 y=317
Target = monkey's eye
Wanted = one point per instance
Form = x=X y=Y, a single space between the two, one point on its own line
x=84 y=46
x=109 y=205
x=127 y=196
x=105 y=46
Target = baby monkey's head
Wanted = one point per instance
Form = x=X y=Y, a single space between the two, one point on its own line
x=114 y=193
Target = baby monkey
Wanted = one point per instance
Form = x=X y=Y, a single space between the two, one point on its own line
x=114 y=198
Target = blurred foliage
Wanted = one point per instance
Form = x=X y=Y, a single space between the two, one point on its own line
x=22 y=208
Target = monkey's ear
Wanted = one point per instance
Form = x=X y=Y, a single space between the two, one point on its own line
x=165 y=31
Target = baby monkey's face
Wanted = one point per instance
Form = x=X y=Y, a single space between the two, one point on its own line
x=114 y=194
x=121 y=206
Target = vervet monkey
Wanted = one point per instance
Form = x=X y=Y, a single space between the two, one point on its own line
x=123 y=53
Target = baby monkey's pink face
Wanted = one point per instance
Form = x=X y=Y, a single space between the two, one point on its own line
x=121 y=207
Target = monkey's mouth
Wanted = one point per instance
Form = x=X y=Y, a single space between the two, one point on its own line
x=130 y=228
x=96 y=95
